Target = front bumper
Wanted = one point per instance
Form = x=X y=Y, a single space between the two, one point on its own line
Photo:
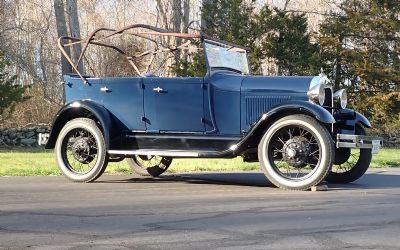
x=359 y=141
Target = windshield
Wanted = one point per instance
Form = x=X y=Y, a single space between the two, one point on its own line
x=226 y=56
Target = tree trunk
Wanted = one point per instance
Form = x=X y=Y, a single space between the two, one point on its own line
x=62 y=31
x=73 y=20
x=176 y=20
x=176 y=15
x=285 y=5
x=338 y=72
x=186 y=16
x=185 y=23
x=203 y=22
x=163 y=19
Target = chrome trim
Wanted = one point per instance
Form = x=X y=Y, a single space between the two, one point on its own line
x=104 y=89
x=233 y=147
x=172 y=153
x=158 y=90
x=323 y=79
x=340 y=98
x=356 y=141
x=75 y=105
x=179 y=132
x=352 y=145
x=317 y=92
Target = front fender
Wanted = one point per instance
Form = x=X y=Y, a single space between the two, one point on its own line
x=301 y=107
x=254 y=135
x=362 y=120
x=79 y=109
x=355 y=118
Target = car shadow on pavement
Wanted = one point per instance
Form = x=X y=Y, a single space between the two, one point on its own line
x=372 y=180
x=376 y=180
x=255 y=179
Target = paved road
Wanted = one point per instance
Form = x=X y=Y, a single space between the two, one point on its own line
x=198 y=211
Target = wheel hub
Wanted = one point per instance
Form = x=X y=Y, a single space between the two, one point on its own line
x=296 y=151
x=83 y=151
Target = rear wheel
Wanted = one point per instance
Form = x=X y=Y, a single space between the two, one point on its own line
x=350 y=164
x=80 y=150
x=296 y=152
x=149 y=165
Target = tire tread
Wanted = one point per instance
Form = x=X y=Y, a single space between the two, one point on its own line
x=330 y=154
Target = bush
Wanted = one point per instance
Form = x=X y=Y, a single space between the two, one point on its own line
x=35 y=110
x=10 y=93
x=382 y=110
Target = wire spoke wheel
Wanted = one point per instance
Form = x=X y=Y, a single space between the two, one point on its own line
x=149 y=165
x=350 y=164
x=296 y=152
x=343 y=167
x=80 y=150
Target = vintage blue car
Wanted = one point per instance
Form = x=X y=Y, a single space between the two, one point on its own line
x=297 y=127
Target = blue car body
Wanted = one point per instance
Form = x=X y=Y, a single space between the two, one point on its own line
x=222 y=114
x=297 y=127
x=207 y=114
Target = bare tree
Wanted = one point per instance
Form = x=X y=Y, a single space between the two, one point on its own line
x=29 y=31
x=75 y=31
x=176 y=17
x=285 y=5
x=186 y=16
x=62 y=30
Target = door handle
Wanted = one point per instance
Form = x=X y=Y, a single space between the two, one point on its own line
x=158 y=90
x=105 y=89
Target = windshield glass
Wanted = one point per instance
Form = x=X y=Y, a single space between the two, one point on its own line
x=226 y=56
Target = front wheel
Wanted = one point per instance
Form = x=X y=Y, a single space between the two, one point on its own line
x=350 y=164
x=296 y=152
x=149 y=165
x=80 y=150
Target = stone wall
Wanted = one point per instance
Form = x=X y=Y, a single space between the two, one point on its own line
x=21 y=137
x=391 y=140
x=28 y=137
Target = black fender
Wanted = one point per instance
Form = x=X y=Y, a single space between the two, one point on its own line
x=80 y=109
x=353 y=118
x=360 y=119
x=254 y=135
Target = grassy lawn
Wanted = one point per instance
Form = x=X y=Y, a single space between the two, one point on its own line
x=26 y=163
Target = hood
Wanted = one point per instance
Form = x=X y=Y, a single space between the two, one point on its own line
x=278 y=84
x=260 y=93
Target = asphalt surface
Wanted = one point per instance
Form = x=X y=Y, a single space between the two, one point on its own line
x=198 y=211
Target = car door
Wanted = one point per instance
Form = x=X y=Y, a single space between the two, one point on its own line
x=173 y=104
x=123 y=97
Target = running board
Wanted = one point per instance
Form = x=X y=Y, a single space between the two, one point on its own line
x=176 y=153
x=172 y=153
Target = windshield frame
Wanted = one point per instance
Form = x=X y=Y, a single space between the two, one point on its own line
x=245 y=70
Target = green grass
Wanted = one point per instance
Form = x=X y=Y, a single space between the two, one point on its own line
x=29 y=163
x=386 y=158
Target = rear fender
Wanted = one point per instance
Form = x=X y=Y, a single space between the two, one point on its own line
x=79 y=109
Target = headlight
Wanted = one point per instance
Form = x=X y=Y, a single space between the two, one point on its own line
x=340 y=98
x=317 y=94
